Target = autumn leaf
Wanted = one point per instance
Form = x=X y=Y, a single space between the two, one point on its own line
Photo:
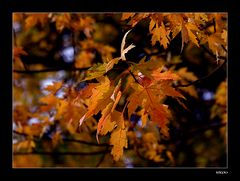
x=61 y=108
x=161 y=35
x=144 y=115
x=119 y=138
x=111 y=63
x=62 y=21
x=168 y=75
x=215 y=42
x=150 y=98
x=101 y=97
x=125 y=16
x=21 y=114
x=135 y=17
x=49 y=101
x=152 y=24
x=105 y=123
x=146 y=67
x=104 y=97
x=33 y=19
x=100 y=69
x=96 y=71
x=188 y=35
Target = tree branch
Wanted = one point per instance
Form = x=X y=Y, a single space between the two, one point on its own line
x=205 y=77
x=191 y=133
x=48 y=70
x=101 y=160
x=87 y=143
x=67 y=140
x=60 y=153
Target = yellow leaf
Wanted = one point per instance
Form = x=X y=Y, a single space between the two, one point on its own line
x=160 y=34
x=192 y=37
x=105 y=124
x=164 y=35
x=100 y=98
x=215 y=42
x=119 y=139
x=151 y=25
x=155 y=35
x=95 y=71
x=61 y=108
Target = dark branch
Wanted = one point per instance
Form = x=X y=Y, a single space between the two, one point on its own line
x=60 y=153
x=205 y=128
x=101 y=160
x=48 y=70
x=205 y=77
x=133 y=76
x=67 y=140
x=211 y=53
x=154 y=53
x=214 y=25
x=85 y=142
x=197 y=131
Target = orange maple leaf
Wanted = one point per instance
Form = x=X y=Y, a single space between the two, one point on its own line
x=150 y=96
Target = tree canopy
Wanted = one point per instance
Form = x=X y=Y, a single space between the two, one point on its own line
x=119 y=89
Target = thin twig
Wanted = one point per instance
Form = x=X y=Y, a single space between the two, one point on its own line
x=85 y=142
x=197 y=131
x=66 y=139
x=101 y=160
x=48 y=70
x=203 y=78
